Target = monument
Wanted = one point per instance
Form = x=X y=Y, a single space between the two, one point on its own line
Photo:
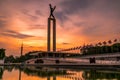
x=51 y=21
x=21 y=49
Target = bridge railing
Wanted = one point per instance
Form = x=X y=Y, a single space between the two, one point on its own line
x=107 y=62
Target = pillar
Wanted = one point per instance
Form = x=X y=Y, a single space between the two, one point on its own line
x=48 y=35
x=54 y=35
x=51 y=21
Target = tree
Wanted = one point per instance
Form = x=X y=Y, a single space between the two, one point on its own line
x=9 y=59
x=116 y=47
x=100 y=43
x=115 y=40
x=110 y=42
x=111 y=49
x=2 y=53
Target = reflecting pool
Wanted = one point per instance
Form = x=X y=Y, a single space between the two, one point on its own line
x=48 y=73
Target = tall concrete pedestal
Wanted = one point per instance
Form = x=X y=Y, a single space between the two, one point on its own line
x=51 y=21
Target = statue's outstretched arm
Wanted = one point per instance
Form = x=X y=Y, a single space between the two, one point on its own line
x=50 y=5
x=54 y=8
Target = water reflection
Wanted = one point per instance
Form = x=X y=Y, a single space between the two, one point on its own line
x=100 y=74
x=19 y=74
x=1 y=73
x=45 y=73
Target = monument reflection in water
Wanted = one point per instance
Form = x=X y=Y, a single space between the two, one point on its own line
x=44 y=73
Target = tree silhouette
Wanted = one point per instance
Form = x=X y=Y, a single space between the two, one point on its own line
x=115 y=40
x=109 y=42
x=2 y=53
x=97 y=49
x=100 y=43
x=111 y=49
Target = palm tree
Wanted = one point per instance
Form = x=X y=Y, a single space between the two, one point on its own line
x=99 y=47
x=79 y=47
x=109 y=42
x=96 y=48
x=115 y=40
x=91 y=49
x=104 y=43
x=85 y=48
x=111 y=48
x=73 y=48
x=100 y=43
x=82 y=49
x=105 y=46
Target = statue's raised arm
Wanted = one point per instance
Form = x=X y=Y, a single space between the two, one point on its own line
x=50 y=6
x=51 y=11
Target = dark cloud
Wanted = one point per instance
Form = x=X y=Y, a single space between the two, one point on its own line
x=14 y=34
x=2 y=17
x=37 y=26
x=38 y=12
x=2 y=23
x=86 y=8
x=108 y=8
x=92 y=31
x=74 y=6
x=70 y=7
x=96 y=17
x=64 y=43
x=62 y=17
x=25 y=11
x=30 y=16
x=79 y=24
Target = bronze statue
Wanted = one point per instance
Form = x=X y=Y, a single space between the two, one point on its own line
x=51 y=11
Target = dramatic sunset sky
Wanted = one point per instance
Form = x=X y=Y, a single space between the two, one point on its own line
x=78 y=22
